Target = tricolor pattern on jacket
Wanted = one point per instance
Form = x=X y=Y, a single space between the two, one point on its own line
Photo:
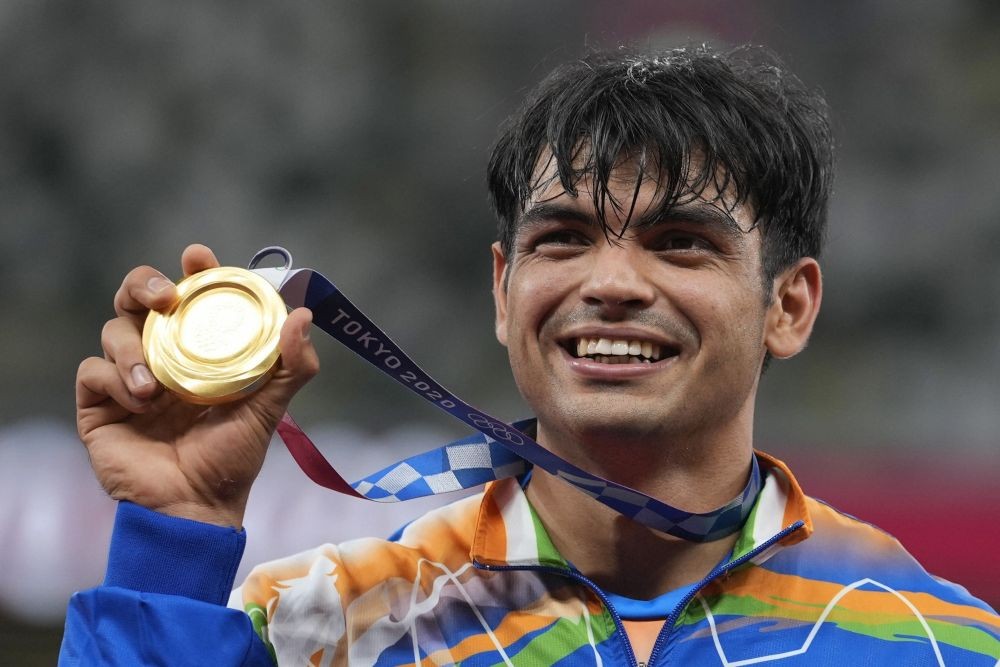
x=479 y=583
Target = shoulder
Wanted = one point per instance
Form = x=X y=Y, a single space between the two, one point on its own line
x=847 y=549
x=836 y=551
x=301 y=604
x=441 y=537
x=848 y=554
x=860 y=594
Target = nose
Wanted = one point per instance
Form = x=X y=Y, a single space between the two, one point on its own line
x=616 y=278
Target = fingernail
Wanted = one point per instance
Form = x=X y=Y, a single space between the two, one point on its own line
x=158 y=284
x=141 y=376
x=306 y=330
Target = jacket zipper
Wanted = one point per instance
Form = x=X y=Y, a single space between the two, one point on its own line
x=668 y=625
x=672 y=618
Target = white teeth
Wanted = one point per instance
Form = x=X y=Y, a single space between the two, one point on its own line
x=613 y=351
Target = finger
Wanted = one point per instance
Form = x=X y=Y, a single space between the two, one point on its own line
x=144 y=289
x=197 y=257
x=299 y=361
x=97 y=380
x=122 y=343
x=298 y=355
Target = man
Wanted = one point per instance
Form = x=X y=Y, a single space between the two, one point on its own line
x=660 y=223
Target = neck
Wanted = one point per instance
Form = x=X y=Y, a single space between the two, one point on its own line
x=619 y=554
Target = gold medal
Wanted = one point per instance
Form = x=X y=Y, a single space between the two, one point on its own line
x=219 y=342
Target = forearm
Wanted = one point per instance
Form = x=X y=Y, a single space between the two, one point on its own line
x=165 y=592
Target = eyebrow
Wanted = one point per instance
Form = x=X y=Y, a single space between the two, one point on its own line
x=699 y=214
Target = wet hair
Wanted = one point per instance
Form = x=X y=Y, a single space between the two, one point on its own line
x=691 y=119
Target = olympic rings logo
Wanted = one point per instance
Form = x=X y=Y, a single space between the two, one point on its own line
x=499 y=430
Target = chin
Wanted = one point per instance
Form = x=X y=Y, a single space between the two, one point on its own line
x=604 y=423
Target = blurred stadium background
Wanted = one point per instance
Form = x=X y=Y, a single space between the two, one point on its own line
x=356 y=135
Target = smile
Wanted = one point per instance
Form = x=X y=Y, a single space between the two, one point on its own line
x=619 y=350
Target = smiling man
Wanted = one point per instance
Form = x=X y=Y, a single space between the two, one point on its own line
x=640 y=341
x=661 y=219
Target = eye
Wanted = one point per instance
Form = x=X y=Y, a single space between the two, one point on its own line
x=682 y=241
x=561 y=237
x=557 y=242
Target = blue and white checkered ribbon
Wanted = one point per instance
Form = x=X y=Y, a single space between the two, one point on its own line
x=499 y=450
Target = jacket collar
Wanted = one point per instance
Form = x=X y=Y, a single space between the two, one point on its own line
x=510 y=534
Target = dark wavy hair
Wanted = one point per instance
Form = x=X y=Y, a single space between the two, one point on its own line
x=689 y=118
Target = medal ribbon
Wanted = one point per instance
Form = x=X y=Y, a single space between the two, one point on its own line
x=499 y=450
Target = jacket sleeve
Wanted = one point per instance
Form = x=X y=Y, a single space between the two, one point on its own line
x=163 y=598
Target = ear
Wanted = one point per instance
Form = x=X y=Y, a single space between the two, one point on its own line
x=500 y=292
x=795 y=301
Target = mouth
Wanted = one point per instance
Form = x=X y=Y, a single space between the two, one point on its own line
x=619 y=350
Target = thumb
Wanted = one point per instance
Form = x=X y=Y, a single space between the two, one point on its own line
x=299 y=362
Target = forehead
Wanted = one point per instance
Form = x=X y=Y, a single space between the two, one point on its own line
x=546 y=182
x=633 y=194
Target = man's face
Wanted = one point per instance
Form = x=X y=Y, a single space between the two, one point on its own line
x=659 y=333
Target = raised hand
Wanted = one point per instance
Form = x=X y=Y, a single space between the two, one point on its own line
x=149 y=447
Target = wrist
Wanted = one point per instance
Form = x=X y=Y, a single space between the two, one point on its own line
x=225 y=516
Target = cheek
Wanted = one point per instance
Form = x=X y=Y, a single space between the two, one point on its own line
x=517 y=324
x=727 y=317
x=532 y=296
x=745 y=335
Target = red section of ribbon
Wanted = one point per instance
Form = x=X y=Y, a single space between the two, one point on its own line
x=309 y=458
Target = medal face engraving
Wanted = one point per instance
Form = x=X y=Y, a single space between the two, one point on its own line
x=218 y=325
x=219 y=342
